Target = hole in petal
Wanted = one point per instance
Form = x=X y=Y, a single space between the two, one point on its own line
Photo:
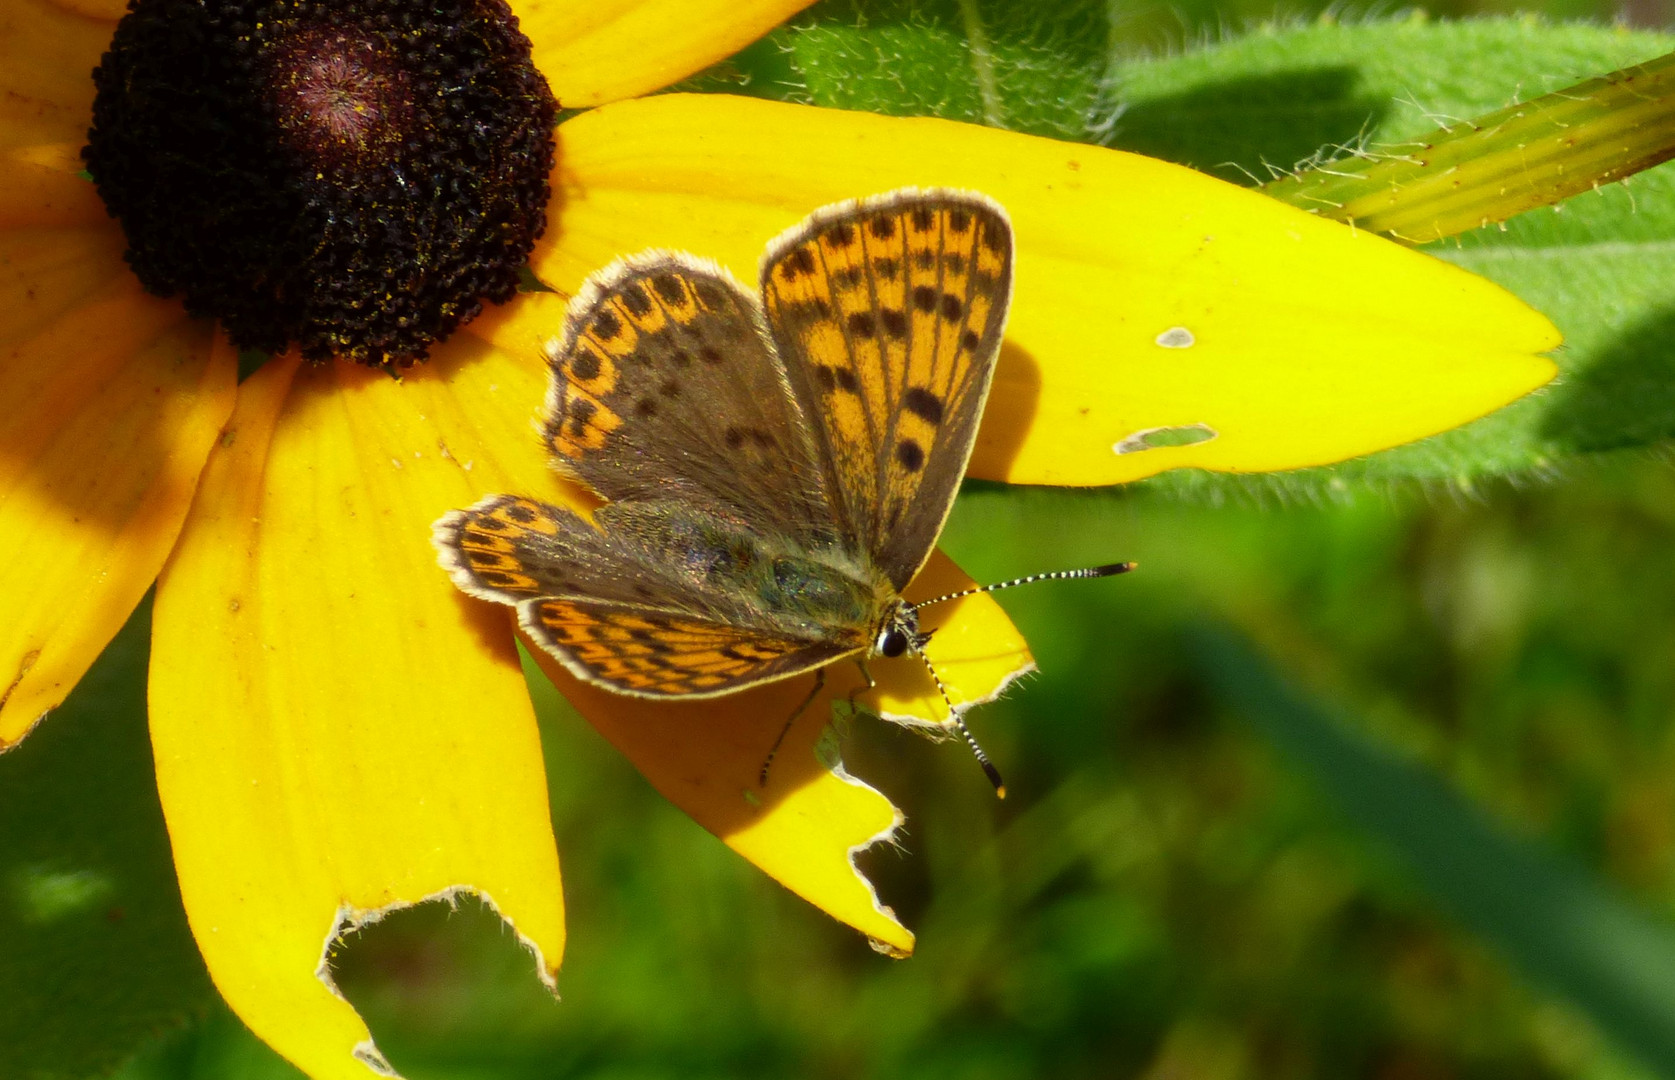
x=1159 y=437
x=1177 y=337
x=424 y=976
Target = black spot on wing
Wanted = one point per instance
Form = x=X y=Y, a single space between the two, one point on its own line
x=712 y=295
x=634 y=298
x=669 y=288
x=923 y=404
x=797 y=264
x=606 y=325
x=581 y=414
x=585 y=366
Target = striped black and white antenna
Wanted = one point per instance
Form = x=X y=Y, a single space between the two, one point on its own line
x=989 y=770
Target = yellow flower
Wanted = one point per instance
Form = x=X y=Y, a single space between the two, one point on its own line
x=337 y=730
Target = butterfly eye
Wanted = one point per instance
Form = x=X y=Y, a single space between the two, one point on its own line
x=892 y=643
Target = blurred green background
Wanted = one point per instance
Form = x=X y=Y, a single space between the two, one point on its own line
x=1370 y=774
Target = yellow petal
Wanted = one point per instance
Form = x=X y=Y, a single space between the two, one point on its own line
x=338 y=730
x=106 y=11
x=43 y=188
x=47 y=56
x=805 y=826
x=604 y=50
x=1153 y=305
x=111 y=404
x=46 y=274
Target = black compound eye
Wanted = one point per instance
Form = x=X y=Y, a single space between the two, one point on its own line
x=892 y=643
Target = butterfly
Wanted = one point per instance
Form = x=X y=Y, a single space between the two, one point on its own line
x=776 y=467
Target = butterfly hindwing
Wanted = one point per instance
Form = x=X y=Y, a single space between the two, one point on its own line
x=646 y=599
x=507 y=548
x=663 y=386
x=654 y=652
x=888 y=314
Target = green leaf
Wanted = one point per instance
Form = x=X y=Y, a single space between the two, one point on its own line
x=1255 y=107
x=1561 y=926
x=95 y=955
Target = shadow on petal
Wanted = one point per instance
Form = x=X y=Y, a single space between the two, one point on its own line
x=1009 y=413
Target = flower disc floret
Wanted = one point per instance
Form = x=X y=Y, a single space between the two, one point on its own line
x=352 y=177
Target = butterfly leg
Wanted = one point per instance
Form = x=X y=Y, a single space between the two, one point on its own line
x=767 y=762
x=859 y=690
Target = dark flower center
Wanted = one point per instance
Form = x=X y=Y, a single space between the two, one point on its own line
x=352 y=176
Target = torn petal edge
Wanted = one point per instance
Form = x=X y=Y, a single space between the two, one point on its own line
x=888 y=836
x=350 y=919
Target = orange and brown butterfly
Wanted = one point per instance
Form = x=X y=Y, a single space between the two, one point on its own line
x=775 y=469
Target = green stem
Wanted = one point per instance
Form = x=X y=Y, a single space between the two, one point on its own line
x=1522 y=157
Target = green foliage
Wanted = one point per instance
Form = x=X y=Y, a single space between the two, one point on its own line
x=1560 y=924
x=94 y=951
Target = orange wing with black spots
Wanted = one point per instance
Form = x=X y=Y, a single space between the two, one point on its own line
x=650 y=652
x=664 y=387
x=888 y=314
x=487 y=549
x=509 y=548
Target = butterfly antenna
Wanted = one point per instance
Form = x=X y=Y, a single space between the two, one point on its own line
x=989 y=769
x=1055 y=575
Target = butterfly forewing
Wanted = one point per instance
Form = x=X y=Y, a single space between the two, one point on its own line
x=664 y=387
x=887 y=314
x=654 y=652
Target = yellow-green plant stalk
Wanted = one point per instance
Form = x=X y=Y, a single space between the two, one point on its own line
x=1525 y=156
